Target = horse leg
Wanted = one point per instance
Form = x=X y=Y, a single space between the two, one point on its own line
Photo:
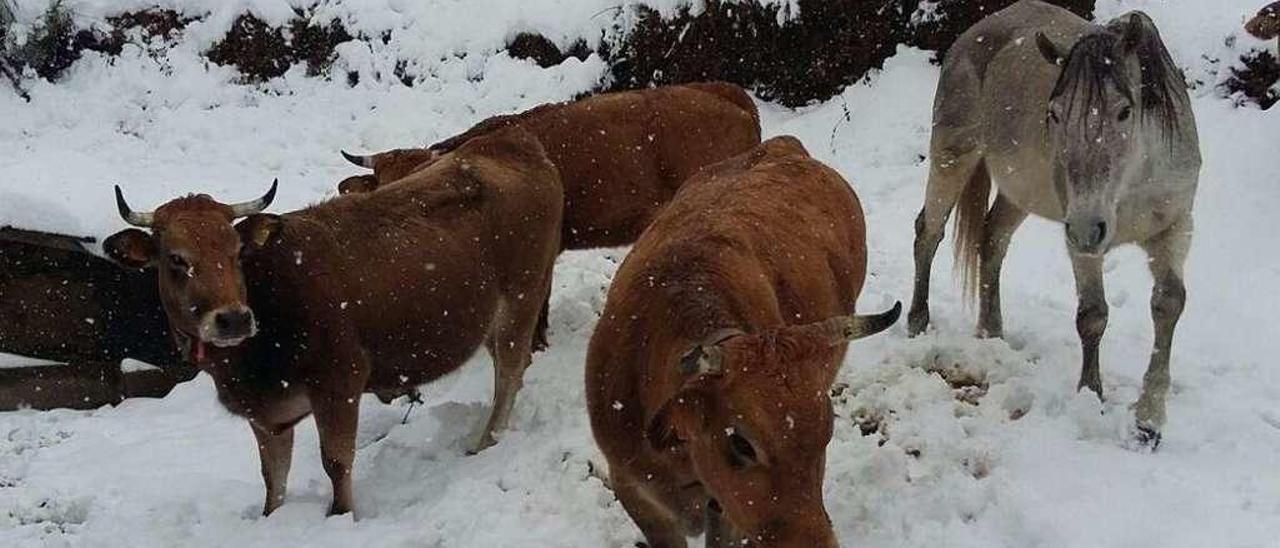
x=1168 y=252
x=275 y=450
x=1002 y=221
x=1091 y=317
x=948 y=176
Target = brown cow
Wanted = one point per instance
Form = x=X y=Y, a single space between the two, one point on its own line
x=708 y=375
x=1266 y=24
x=621 y=155
x=366 y=293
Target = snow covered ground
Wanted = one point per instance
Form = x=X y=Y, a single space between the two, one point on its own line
x=1032 y=464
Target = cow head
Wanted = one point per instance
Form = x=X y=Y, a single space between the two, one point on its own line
x=196 y=253
x=754 y=416
x=387 y=167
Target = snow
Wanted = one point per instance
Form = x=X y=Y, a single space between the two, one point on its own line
x=1034 y=463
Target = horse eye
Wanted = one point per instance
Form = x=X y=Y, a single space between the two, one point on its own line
x=741 y=450
x=177 y=261
x=1125 y=113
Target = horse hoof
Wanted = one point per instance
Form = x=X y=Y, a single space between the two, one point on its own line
x=484 y=443
x=917 y=322
x=1147 y=438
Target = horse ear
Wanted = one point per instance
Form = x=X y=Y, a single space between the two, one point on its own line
x=1048 y=49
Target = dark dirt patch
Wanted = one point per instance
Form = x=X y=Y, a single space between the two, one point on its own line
x=1255 y=79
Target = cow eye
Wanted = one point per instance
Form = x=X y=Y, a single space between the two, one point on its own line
x=1125 y=113
x=741 y=452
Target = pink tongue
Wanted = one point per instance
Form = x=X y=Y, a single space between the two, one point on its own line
x=197 y=350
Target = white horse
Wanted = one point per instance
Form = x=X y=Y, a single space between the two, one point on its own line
x=1088 y=125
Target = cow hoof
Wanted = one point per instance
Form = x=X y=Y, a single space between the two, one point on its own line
x=1147 y=438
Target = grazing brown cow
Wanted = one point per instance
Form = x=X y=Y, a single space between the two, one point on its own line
x=366 y=293
x=621 y=155
x=708 y=376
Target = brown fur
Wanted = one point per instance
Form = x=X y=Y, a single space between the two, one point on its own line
x=761 y=245
x=374 y=292
x=621 y=155
x=1266 y=24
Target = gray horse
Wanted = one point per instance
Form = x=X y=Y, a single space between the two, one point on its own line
x=1083 y=124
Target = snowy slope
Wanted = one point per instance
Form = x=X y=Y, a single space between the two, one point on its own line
x=1034 y=464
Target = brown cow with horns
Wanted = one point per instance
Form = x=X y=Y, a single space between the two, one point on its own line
x=365 y=293
x=708 y=376
x=622 y=156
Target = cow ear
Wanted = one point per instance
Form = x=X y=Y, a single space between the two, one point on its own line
x=258 y=230
x=130 y=247
x=1049 y=50
x=676 y=422
x=358 y=184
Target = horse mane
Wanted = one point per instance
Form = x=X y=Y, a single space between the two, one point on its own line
x=1090 y=66
x=1089 y=69
x=1164 y=88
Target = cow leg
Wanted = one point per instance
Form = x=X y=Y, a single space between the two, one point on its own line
x=275 y=450
x=1091 y=317
x=1168 y=252
x=947 y=179
x=336 y=419
x=660 y=526
x=1002 y=221
x=510 y=347
x=540 y=341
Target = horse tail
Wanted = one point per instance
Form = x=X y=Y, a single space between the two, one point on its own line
x=971 y=229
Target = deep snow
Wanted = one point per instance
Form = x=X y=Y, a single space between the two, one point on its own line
x=1032 y=464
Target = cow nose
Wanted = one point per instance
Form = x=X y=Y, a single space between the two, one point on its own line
x=233 y=324
x=1087 y=236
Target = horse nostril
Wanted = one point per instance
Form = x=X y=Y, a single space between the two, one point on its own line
x=1099 y=232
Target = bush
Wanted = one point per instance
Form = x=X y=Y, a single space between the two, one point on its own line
x=1256 y=80
x=261 y=52
x=810 y=57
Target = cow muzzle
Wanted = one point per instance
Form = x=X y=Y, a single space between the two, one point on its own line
x=228 y=326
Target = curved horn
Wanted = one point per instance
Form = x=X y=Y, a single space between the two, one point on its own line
x=245 y=209
x=850 y=328
x=362 y=161
x=135 y=218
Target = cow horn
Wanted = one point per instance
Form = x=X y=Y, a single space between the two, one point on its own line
x=851 y=328
x=245 y=209
x=362 y=161
x=135 y=218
